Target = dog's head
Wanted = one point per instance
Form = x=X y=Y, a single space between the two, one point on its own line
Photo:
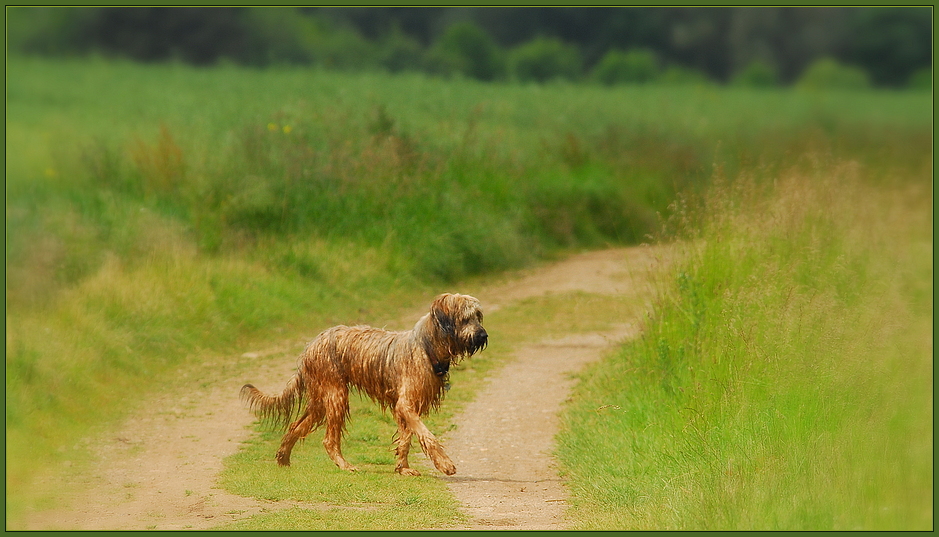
x=458 y=320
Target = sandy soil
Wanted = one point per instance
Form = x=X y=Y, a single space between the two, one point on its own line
x=159 y=470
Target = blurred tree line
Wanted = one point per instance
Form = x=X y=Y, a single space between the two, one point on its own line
x=834 y=45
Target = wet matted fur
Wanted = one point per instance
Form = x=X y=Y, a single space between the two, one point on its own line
x=405 y=372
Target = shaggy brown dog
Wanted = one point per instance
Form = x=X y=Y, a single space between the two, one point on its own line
x=402 y=371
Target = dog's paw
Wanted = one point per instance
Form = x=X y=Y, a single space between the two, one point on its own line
x=348 y=467
x=408 y=472
x=447 y=467
x=282 y=459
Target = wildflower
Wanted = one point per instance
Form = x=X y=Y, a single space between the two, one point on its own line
x=287 y=129
x=272 y=127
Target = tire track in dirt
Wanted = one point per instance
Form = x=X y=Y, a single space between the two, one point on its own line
x=503 y=443
x=159 y=469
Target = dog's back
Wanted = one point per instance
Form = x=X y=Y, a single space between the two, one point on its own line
x=373 y=360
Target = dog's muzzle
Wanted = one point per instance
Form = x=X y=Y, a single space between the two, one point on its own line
x=480 y=340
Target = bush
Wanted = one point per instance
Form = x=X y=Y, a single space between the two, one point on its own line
x=332 y=46
x=891 y=42
x=757 y=74
x=635 y=66
x=277 y=35
x=400 y=52
x=678 y=75
x=196 y=35
x=827 y=73
x=544 y=59
x=921 y=79
x=465 y=48
x=49 y=30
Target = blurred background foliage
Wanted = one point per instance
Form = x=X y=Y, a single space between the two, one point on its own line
x=753 y=46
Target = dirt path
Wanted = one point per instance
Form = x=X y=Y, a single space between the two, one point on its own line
x=502 y=446
x=159 y=471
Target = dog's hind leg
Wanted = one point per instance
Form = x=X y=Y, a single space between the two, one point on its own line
x=296 y=431
x=337 y=407
x=404 y=446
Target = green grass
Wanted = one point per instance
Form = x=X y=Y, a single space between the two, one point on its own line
x=785 y=379
x=157 y=213
x=374 y=498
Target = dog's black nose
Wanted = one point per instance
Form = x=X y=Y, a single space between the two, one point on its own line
x=482 y=338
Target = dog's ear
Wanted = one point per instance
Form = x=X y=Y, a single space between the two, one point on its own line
x=442 y=314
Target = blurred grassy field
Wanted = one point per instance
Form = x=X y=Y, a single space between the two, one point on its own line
x=157 y=212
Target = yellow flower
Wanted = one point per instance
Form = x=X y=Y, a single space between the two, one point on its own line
x=272 y=127
x=287 y=129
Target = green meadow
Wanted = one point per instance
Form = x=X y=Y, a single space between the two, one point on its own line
x=159 y=213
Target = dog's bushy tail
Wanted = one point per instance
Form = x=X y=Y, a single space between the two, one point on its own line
x=278 y=409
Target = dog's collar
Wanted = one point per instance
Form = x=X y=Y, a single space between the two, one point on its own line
x=441 y=368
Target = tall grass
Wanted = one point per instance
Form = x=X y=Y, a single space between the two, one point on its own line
x=785 y=379
x=155 y=213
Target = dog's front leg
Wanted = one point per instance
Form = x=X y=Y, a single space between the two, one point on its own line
x=404 y=446
x=405 y=413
